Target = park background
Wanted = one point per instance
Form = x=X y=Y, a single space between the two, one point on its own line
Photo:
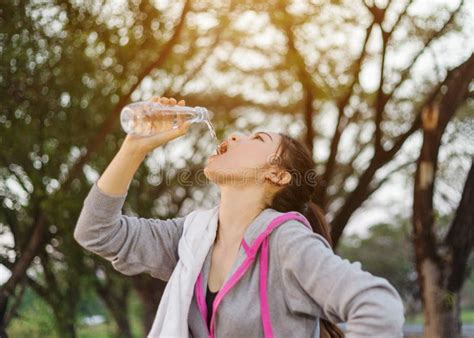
x=380 y=91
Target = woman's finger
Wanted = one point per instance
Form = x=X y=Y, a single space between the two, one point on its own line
x=172 y=101
x=174 y=133
x=180 y=119
x=181 y=130
x=181 y=103
x=184 y=127
x=155 y=99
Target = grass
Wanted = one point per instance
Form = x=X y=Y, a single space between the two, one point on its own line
x=101 y=331
x=467 y=317
x=38 y=321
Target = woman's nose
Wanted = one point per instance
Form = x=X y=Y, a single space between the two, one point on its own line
x=233 y=137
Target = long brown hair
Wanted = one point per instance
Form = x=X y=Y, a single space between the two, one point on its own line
x=297 y=195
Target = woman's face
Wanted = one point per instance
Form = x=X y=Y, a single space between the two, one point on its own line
x=243 y=159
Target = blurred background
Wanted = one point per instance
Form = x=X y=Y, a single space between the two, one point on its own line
x=381 y=92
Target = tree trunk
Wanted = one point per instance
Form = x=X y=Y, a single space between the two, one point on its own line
x=150 y=291
x=29 y=251
x=115 y=296
x=438 y=261
x=121 y=319
x=65 y=329
x=441 y=307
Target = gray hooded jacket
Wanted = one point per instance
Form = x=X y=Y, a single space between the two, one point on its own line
x=306 y=279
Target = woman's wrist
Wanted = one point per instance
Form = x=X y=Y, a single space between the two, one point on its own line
x=117 y=176
x=132 y=152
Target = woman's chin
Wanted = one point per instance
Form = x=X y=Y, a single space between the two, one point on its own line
x=217 y=173
x=212 y=171
x=213 y=157
x=211 y=175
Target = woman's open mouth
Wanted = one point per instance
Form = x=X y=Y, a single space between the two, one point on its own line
x=222 y=148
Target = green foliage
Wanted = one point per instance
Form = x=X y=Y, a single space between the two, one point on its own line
x=387 y=252
x=35 y=319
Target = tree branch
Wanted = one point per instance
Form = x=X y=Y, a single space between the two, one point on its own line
x=454 y=81
x=406 y=72
x=109 y=122
x=460 y=237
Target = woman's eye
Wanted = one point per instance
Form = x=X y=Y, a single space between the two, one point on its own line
x=258 y=137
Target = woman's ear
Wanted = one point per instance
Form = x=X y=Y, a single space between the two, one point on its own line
x=278 y=176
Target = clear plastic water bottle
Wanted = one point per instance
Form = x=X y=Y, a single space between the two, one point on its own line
x=146 y=118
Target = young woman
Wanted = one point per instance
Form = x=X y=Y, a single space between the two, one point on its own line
x=260 y=177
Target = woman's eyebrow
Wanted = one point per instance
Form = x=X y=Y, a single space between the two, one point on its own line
x=262 y=132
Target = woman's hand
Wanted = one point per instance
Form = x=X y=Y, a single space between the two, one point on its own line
x=142 y=145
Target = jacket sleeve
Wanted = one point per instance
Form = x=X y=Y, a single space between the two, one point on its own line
x=342 y=292
x=132 y=244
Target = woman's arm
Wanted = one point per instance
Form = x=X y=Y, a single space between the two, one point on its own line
x=370 y=305
x=116 y=178
x=134 y=245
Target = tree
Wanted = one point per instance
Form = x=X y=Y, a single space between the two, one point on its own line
x=442 y=264
x=396 y=265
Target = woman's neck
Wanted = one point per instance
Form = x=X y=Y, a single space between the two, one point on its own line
x=237 y=209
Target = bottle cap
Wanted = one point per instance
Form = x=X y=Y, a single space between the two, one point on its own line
x=205 y=115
